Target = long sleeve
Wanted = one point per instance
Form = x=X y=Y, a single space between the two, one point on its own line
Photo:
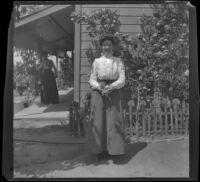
x=39 y=67
x=93 y=77
x=120 y=82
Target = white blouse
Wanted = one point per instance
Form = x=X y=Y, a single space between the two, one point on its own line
x=105 y=68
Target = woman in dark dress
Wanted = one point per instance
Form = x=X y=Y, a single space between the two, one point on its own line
x=105 y=127
x=48 y=80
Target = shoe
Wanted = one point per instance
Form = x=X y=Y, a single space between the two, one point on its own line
x=99 y=157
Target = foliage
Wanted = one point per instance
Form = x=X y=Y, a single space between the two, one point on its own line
x=67 y=68
x=99 y=22
x=25 y=74
x=85 y=109
x=164 y=38
x=66 y=74
x=23 y=10
x=155 y=59
x=107 y=19
x=61 y=84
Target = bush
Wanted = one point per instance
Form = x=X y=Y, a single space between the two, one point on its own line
x=67 y=73
x=25 y=74
x=61 y=83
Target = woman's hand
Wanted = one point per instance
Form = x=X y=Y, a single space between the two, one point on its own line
x=107 y=90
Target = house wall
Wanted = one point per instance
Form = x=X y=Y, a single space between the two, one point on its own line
x=129 y=14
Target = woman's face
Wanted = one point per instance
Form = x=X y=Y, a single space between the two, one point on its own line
x=44 y=56
x=107 y=46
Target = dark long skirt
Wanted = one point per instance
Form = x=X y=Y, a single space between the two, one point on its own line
x=50 y=88
x=106 y=127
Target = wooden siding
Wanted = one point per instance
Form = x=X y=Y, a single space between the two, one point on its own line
x=85 y=69
x=129 y=15
x=126 y=11
x=84 y=77
x=85 y=86
x=124 y=28
x=116 y=6
x=85 y=36
x=128 y=20
x=85 y=61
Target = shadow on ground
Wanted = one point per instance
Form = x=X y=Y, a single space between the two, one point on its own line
x=87 y=159
x=64 y=102
x=79 y=159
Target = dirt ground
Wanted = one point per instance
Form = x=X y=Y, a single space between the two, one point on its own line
x=58 y=159
x=159 y=159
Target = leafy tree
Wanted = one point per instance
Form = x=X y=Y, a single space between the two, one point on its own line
x=25 y=73
x=165 y=39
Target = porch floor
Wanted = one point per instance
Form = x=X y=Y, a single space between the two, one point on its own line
x=51 y=113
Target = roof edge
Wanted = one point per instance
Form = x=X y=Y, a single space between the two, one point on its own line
x=40 y=14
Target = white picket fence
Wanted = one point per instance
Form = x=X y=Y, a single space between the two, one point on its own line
x=173 y=120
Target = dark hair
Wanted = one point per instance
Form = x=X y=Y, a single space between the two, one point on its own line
x=102 y=39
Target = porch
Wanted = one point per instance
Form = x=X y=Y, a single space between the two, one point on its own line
x=44 y=115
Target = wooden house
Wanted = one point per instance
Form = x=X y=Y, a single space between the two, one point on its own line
x=52 y=27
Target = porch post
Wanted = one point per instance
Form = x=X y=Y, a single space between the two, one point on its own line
x=77 y=42
x=57 y=60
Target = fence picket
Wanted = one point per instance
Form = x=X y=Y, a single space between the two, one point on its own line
x=166 y=120
x=171 y=121
x=131 y=120
x=185 y=124
x=137 y=124
x=186 y=120
x=176 y=119
x=181 y=120
x=125 y=122
x=160 y=122
x=186 y=127
x=155 y=121
x=79 y=128
x=131 y=104
x=143 y=123
x=149 y=122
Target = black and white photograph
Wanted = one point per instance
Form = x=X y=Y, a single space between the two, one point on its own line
x=101 y=90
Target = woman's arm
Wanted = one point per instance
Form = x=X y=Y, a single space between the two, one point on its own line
x=39 y=67
x=93 y=77
x=120 y=82
x=54 y=68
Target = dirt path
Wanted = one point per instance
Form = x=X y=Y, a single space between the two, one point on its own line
x=160 y=159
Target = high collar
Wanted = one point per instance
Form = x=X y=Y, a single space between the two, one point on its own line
x=107 y=56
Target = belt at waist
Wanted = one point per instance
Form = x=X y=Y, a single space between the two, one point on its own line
x=105 y=81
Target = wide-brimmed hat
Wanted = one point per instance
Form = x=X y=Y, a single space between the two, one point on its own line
x=106 y=37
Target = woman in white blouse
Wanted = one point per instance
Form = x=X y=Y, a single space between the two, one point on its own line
x=106 y=128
